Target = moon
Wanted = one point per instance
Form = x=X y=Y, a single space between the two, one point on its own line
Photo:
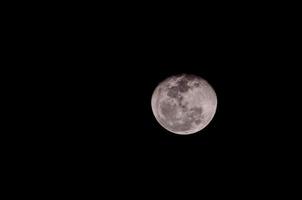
x=184 y=104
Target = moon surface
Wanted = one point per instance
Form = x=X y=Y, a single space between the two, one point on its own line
x=184 y=104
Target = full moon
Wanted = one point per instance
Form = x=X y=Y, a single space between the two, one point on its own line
x=184 y=104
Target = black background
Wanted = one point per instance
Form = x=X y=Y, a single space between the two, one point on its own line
x=108 y=100
x=95 y=74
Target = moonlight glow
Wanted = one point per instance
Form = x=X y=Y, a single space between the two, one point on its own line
x=184 y=104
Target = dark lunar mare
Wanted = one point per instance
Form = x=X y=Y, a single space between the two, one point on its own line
x=192 y=117
x=169 y=111
x=183 y=85
x=173 y=92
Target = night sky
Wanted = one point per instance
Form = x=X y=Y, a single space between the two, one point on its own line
x=111 y=125
x=108 y=91
x=99 y=79
x=115 y=106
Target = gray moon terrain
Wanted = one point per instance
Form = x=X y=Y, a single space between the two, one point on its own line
x=184 y=104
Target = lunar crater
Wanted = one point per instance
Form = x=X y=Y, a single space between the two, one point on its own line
x=184 y=104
